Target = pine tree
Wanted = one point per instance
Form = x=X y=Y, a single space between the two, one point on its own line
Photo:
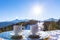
x=58 y=23
x=52 y=26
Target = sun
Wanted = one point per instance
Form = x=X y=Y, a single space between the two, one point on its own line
x=37 y=10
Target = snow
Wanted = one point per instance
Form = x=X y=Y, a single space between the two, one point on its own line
x=54 y=35
x=1 y=39
x=58 y=39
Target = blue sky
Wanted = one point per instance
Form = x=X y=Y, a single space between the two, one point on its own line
x=21 y=9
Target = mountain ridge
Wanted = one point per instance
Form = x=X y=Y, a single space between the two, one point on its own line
x=3 y=24
x=6 y=23
x=51 y=19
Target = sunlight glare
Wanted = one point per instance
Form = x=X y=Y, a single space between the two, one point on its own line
x=37 y=10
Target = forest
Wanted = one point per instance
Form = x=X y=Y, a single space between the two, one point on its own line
x=48 y=25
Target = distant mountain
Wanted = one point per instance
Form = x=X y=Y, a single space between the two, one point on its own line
x=3 y=24
x=50 y=19
x=15 y=21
